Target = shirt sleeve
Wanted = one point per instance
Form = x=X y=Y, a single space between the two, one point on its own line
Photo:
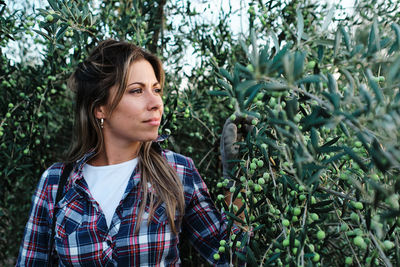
x=34 y=246
x=205 y=225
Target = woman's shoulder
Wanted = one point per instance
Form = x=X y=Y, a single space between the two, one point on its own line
x=52 y=174
x=176 y=159
x=185 y=168
x=48 y=183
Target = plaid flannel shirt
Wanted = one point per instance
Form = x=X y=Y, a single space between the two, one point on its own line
x=82 y=237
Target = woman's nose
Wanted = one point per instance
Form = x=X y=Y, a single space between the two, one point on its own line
x=154 y=100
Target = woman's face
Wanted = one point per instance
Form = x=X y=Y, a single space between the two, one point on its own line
x=137 y=116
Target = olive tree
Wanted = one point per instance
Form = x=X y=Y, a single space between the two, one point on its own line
x=318 y=174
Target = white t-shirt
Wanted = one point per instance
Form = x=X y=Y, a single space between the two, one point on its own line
x=108 y=183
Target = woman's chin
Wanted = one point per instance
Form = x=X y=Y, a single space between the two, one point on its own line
x=151 y=137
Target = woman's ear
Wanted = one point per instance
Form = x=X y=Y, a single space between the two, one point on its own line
x=100 y=112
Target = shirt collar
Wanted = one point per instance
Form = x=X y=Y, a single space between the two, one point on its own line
x=161 y=138
x=156 y=144
x=80 y=162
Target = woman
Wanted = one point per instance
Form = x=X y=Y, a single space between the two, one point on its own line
x=126 y=200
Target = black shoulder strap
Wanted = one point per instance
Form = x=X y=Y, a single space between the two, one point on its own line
x=63 y=180
x=61 y=184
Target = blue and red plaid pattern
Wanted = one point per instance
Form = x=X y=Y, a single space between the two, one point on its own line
x=83 y=238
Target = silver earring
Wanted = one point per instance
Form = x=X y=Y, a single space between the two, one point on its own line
x=101 y=123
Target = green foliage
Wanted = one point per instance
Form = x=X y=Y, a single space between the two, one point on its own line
x=328 y=133
x=318 y=174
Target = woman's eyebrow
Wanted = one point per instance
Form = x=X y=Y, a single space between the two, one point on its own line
x=142 y=84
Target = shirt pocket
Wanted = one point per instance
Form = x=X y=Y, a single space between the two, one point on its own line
x=69 y=218
x=75 y=235
x=159 y=222
x=159 y=217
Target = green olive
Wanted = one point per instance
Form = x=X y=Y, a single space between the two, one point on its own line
x=216 y=256
x=296 y=211
x=388 y=245
x=321 y=235
x=316 y=257
x=358 y=241
x=285 y=222
x=49 y=18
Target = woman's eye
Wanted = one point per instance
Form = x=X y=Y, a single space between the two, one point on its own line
x=135 y=91
x=158 y=90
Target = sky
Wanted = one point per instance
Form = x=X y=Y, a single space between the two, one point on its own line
x=238 y=22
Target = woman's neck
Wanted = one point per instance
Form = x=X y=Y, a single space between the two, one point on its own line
x=114 y=154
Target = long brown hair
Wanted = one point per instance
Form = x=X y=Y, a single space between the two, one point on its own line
x=107 y=66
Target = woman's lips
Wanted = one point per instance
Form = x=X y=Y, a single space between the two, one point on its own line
x=153 y=122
